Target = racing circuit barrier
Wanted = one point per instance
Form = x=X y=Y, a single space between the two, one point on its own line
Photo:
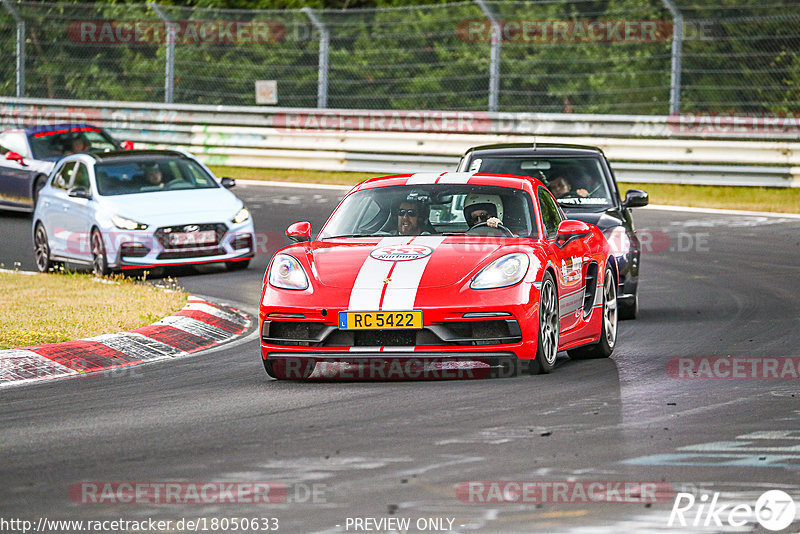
x=685 y=149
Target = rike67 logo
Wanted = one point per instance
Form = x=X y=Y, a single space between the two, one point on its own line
x=774 y=510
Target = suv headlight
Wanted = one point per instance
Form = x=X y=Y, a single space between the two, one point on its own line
x=502 y=272
x=241 y=217
x=287 y=273
x=127 y=224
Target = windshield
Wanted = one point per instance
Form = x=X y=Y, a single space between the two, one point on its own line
x=66 y=141
x=145 y=176
x=430 y=210
x=575 y=182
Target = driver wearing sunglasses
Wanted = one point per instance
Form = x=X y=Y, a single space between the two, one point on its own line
x=408 y=218
x=483 y=209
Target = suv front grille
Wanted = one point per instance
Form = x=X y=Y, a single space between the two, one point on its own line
x=163 y=236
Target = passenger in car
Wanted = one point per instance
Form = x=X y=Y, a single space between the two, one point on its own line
x=77 y=144
x=562 y=187
x=154 y=178
x=480 y=208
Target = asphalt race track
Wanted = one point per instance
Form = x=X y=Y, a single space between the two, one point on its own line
x=712 y=285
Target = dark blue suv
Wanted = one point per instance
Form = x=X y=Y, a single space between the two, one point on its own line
x=582 y=181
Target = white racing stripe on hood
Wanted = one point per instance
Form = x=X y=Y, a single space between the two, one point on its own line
x=401 y=291
x=368 y=287
x=369 y=290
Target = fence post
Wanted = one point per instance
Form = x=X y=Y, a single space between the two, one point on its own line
x=494 y=67
x=20 y=48
x=324 y=41
x=169 y=68
x=677 y=52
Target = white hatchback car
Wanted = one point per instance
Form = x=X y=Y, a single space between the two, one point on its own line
x=139 y=209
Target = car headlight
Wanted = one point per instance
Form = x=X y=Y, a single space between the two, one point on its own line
x=619 y=241
x=502 y=272
x=127 y=224
x=241 y=217
x=287 y=273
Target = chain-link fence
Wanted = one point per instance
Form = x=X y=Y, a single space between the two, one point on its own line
x=581 y=56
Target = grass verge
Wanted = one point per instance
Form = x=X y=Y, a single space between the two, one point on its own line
x=294 y=175
x=781 y=200
x=775 y=199
x=51 y=308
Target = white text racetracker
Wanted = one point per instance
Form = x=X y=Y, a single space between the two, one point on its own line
x=351 y=320
x=398 y=524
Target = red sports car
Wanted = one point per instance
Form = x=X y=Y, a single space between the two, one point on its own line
x=451 y=267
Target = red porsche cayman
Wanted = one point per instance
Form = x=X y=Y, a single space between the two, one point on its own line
x=451 y=267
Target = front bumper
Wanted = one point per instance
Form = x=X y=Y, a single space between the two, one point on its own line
x=476 y=332
x=149 y=249
x=374 y=354
x=499 y=330
x=394 y=366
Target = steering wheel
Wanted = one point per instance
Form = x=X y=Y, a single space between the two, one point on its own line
x=500 y=227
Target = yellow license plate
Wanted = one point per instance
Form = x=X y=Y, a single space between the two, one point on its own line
x=382 y=320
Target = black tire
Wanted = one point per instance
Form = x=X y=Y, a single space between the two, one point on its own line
x=237 y=265
x=38 y=184
x=547 y=342
x=608 y=331
x=99 y=261
x=628 y=310
x=285 y=369
x=41 y=249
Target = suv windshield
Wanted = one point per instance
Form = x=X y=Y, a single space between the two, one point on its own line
x=431 y=209
x=575 y=182
x=150 y=175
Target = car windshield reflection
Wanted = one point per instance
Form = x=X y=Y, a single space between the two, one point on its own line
x=434 y=209
x=66 y=141
x=151 y=175
x=575 y=182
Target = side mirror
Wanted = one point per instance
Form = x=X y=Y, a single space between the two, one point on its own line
x=635 y=198
x=299 y=232
x=15 y=156
x=570 y=229
x=79 y=192
x=127 y=145
x=227 y=183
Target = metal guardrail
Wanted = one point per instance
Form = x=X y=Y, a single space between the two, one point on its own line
x=708 y=174
x=640 y=148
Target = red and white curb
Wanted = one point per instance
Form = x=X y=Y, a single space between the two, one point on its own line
x=199 y=325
